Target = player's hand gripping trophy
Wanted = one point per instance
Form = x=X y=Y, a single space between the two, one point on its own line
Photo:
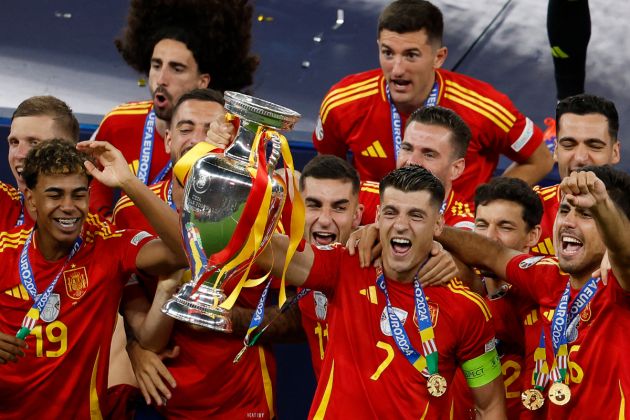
x=232 y=204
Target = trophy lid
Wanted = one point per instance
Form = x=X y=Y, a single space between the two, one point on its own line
x=260 y=111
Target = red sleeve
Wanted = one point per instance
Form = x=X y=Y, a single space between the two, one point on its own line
x=475 y=329
x=326 y=139
x=369 y=197
x=132 y=242
x=326 y=268
x=525 y=278
x=522 y=139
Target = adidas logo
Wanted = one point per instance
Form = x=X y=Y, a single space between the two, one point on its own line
x=545 y=247
x=370 y=294
x=18 y=292
x=375 y=150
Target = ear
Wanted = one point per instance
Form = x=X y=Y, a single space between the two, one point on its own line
x=457 y=168
x=555 y=150
x=440 y=57
x=204 y=81
x=616 y=153
x=167 y=141
x=439 y=225
x=29 y=201
x=533 y=236
x=356 y=219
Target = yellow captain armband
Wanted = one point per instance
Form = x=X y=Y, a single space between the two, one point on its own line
x=482 y=369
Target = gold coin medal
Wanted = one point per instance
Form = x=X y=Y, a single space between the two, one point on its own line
x=532 y=399
x=559 y=393
x=436 y=384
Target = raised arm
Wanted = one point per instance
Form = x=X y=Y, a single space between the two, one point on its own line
x=537 y=165
x=476 y=250
x=274 y=256
x=490 y=400
x=587 y=192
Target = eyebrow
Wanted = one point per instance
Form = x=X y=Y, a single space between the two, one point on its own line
x=339 y=202
x=60 y=190
x=182 y=122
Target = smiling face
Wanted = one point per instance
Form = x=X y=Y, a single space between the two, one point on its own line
x=332 y=210
x=173 y=72
x=190 y=125
x=502 y=221
x=25 y=133
x=430 y=146
x=408 y=61
x=407 y=222
x=578 y=244
x=60 y=203
x=584 y=140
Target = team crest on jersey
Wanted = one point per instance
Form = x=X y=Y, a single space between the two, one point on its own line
x=51 y=310
x=586 y=313
x=321 y=305
x=400 y=313
x=76 y=281
x=434 y=310
x=528 y=262
x=319 y=129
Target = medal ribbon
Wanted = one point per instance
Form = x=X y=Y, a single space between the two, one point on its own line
x=396 y=120
x=146 y=152
x=427 y=365
x=20 y=220
x=28 y=281
x=169 y=195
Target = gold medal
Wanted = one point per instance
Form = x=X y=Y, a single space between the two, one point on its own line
x=559 y=393
x=532 y=399
x=436 y=384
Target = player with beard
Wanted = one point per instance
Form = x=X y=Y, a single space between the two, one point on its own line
x=367 y=373
x=35 y=119
x=581 y=352
x=180 y=46
x=364 y=113
x=588 y=126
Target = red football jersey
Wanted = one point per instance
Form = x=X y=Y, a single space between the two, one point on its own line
x=364 y=375
x=598 y=371
x=550 y=197
x=64 y=371
x=11 y=205
x=208 y=383
x=315 y=314
x=124 y=128
x=355 y=116
x=457 y=212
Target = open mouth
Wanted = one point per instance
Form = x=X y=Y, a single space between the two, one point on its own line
x=400 y=84
x=160 y=100
x=324 y=238
x=400 y=246
x=571 y=245
x=67 y=223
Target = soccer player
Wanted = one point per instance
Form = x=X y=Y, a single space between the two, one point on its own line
x=204 y=380
x=581 y=351
x=508 y=212
x=181 y=46
x=35 y=119
x=365 y=113
x=375 y=364
x=437 y=139
x=587 y=135
x=70 y=269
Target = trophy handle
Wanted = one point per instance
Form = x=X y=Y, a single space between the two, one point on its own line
x=275 y=152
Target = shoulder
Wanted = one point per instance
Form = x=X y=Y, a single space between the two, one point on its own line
x=13 y=239
x=351 y=91
x=97 y=229
x=551 y=192
x=125 y=204
x=465 y=302
x=475 y=97
x=127 y=111
x=9 y=192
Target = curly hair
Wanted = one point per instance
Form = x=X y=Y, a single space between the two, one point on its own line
x=53 y=157
x=217 y=32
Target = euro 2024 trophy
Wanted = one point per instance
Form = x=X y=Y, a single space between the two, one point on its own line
x=232 y=204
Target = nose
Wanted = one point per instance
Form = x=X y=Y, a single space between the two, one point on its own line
x=67 y=203
x=568 y=219
x=492 y=233
x=398 y=66
x=22 y=150
x=581 y=156
x=325 y=217
x=162 y=76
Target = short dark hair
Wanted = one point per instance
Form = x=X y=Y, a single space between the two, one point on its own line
x=53 y=157
x=617 y=185
x=584 y=104
x=200 y=94
x=217 y=32
x=412 y=178
x=55 y=108
x=514 y=190
x=330 y=167
x=404 y=16
x=447 y=118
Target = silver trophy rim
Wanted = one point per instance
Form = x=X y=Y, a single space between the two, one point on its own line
x=260 y=111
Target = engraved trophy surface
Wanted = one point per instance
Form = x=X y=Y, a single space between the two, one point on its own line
x=218 y=195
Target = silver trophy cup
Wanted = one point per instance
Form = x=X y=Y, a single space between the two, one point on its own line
x=215 y=195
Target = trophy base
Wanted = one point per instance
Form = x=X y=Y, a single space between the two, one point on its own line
x=200 y=308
